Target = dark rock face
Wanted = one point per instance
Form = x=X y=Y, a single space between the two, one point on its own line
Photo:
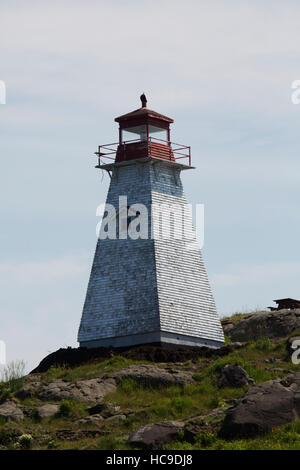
x=105 y=409
x=265 y=406
x=233 y=375
x=277 y=324
x=73 y=357
x=154 y=436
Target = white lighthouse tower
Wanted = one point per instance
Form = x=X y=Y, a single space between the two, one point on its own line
x=148 y=283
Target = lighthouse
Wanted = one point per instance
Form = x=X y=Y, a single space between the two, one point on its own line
x=148 y=282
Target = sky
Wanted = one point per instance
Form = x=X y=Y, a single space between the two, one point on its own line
x=223 y=70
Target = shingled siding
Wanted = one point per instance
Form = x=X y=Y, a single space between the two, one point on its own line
x=121 y=297
x=149 y=288
x=186 y=303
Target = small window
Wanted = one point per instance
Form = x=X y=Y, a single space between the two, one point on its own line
x=134 y=133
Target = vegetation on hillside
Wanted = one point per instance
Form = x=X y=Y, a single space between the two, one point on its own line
x=143 y=404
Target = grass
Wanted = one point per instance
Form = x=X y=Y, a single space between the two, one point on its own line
x=235 y=317
x=284 y=438
x=154 y=405
x=11 y=379
x=87 y=371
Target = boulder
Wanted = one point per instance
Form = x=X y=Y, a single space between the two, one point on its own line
x=233 y=375
x=264 y=406
x=91 y=390
x=94 y=419
x=155 y=435
x=28 y=390
x=46 y=411
x=203 y=423
x=277 y=324
x=116 y=419
x=105 y=409
x=152 y=376
x=10 y=411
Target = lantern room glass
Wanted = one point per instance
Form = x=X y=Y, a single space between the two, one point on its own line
x=134 y=133
x=157 y=133
x=139 y=133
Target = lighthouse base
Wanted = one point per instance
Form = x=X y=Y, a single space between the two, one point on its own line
x=157 y=337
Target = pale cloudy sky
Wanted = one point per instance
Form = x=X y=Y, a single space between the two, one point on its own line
x=222 y=69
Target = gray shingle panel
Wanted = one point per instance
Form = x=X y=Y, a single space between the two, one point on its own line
x=138 y=287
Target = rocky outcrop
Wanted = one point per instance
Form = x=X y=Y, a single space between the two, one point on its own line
x=73 y=357
x=152 y=376
x=94 y=419
x=203 y=423
x=265 y=406
x=28 y=390
x=115 y=419
x=92 y=390
x=279 y=324
x=46 y=411
x=105 y=409
x=155 y=435
x=10 y=411
x=233 y=375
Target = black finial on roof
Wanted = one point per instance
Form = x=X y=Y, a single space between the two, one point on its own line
x=143 y=100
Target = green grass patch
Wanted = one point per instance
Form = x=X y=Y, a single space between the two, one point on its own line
x=88 y=371
x=284 y=438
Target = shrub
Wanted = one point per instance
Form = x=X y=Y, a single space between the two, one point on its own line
x=26 y=441
x=51 y=443
x=110 y=443
x=182 y=405
x=206 y=438
x=5 y=393
x=263 y=345
x=66 y=408
x=5 y=437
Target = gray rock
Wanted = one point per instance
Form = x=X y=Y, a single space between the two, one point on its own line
x=233 y=375
x=278 y=324
x=197 y=424
x=10 y=411
x=152 y=376
x=115 y=419
x=92 y=390
x=264 y=406
x=93 y=419
x=28 y=390
x=105 y=409
x=155 y=435
x=46 y=411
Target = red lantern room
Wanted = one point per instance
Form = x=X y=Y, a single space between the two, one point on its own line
x=143 y=133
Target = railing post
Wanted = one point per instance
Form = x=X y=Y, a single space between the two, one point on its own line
x=150 y=146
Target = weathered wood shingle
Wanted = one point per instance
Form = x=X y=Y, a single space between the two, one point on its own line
x=154 y=289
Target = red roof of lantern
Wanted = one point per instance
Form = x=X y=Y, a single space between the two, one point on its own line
x=143 y=115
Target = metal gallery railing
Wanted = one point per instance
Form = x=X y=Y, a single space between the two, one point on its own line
x=157 y=148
